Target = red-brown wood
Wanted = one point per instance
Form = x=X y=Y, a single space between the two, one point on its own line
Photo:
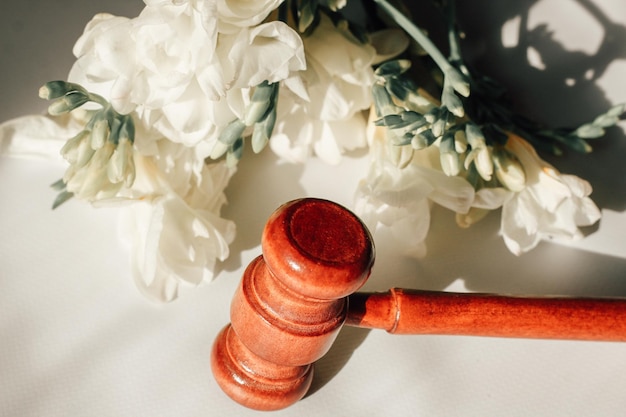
x=291 y=303
x=402 y=311
x=293 y=300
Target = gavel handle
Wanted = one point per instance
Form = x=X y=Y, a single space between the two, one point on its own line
x=445 y=313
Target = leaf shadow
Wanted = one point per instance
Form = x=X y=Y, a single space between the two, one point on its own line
x=563 y=90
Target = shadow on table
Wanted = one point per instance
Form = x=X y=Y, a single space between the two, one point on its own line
x=347 y=342
x=554 y=84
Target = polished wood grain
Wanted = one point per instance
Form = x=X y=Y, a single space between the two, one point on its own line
x=294 y=298
x=291 y=303
x=401 y=311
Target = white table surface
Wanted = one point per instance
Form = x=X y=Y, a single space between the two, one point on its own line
x=77 y=338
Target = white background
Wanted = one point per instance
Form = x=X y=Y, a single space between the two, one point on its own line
x=77 y=339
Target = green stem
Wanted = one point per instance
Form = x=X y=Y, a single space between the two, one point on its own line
x=417 y=35
x=455 y=48
x=283 y=11
x=456 y=79
x=98 y=99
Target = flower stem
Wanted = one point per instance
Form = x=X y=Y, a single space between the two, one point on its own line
x=96 y=98
x=416 y=34
x=444 y=65
x=455 y=48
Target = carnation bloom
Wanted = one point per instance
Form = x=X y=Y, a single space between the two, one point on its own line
x=398 y=198
x=551 y=205
x=235 y=14
x=172 y=74
x=174 y=67
x=177 y=238
x=326 y=118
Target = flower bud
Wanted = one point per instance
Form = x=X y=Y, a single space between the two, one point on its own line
x=382 y=101
x=509 y=170
x=99 y=133
x=439 y=125
x=84 y=154
x=420 y=141
x=120 y=166
x=262 y=132
x=262 y=100
x=234 y=153
x=484 y=163
x=70 y=149
x=460 y=141
x=450 y=161
x=56 y=89
x=127 y=130
x=219 y=149
x=474 y=135
x=452 y=102
x=457 y=81
x=233 y=131
x=423 y=139
x=67 y=103
x=393 y=68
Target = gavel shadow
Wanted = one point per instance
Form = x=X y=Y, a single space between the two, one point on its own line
x=347 y=342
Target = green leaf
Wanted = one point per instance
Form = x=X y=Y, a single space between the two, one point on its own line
x=578 y=144
x=589 y=131
x=617 y=110
x=62 y=197
x=58 y=185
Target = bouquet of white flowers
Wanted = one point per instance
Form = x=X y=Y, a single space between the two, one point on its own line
x=157 y=109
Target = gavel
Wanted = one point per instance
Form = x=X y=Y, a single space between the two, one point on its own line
x=294 y=298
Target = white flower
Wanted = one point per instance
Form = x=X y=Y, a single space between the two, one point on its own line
x=170 y=215
x=177 y=71
x=268 y=52
x=106 y=59
x=244 y=13
x=177 y=239
x=398 y=199
x=328 y=118
x=551 y=204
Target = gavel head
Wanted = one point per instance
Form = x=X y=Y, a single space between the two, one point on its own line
x=291 y=303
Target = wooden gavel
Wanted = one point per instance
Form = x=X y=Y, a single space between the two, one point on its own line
x=293 y=300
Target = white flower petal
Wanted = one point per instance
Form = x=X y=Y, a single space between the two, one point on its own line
x=235 y=14
x=519 y=226
x=491 y=198
x=338 y=84
x=178 y=238
x=268 y=52
x=552 y=205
